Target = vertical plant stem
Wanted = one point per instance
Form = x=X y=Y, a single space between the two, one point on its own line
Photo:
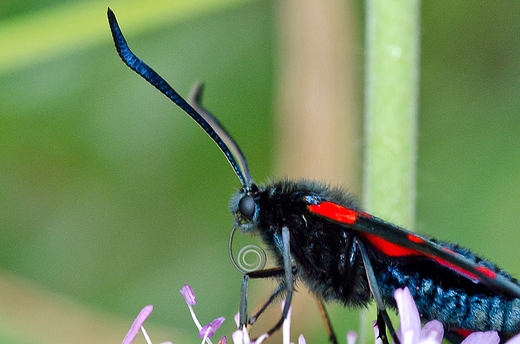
x=391 y=99
x=318 y=112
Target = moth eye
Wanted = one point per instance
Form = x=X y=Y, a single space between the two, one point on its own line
x=247 y=207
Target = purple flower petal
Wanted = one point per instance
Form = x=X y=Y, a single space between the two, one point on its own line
x=301 y=339
x=433 y=330
x=351 y=337
x=209 y=329
x=286 y=326
x=261 y=338
x=489 y=337
x=240 y=337
x=136 y=326
x=514 y=340
x=223 y=340
x=188 y=294
x=408 y=313
x=376 y=333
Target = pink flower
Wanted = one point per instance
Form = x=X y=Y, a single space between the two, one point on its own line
x=410 y=330
x=205 y=332
x=242 y=337
x=138 y=324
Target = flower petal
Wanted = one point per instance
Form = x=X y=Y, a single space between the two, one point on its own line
x=210 y=329
x=408 y=313
x=286 y=326
x=352 y=337
x=489 y=337
x=240 y=337
x=260 y=339
x=376 y=333
x=189 y=295
x=433 y=331
x=136 y=326
x=514 y=340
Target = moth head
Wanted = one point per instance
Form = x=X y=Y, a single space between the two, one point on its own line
x=244 y=206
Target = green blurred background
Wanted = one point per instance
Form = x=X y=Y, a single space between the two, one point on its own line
x=112 y=199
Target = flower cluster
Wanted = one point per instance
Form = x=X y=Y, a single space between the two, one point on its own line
x=409 y=331
x=205 y=332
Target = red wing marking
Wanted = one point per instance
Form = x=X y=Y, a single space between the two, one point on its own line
x=487 y=272
x=367 y=215
x=415 y=239
x=349 y=216
x=454 y=267
x=334 y=212
x=463 y=333
x=389 y=248
x=395 y=250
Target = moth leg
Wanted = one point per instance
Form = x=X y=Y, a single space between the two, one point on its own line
x=288 y=279
x=267 y=273
x=286 y=285
x=382 y=315
x=261 y=308
x=326 y=321
x=381 y=326
x=274 y=295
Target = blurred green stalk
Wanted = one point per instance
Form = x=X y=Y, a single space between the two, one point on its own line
x=391 y=101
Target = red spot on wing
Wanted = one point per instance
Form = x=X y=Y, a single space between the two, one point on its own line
x=463 y=333
x=395 y=250
x=389 y=248
x=454 y=267
x=334 y=212
x=489 y=273
x=367 y=215
x=415 y=239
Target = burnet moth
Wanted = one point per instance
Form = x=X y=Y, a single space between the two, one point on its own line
x=319 y=236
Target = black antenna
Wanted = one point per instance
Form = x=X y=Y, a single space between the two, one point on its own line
x=205 y=119
x=195 y=98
